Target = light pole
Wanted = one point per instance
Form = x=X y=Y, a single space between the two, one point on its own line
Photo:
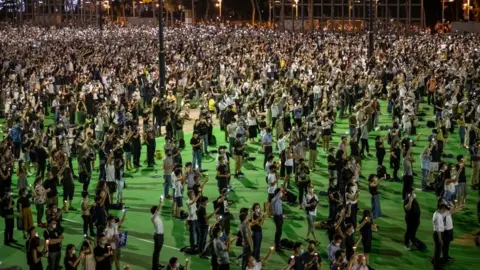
x=296 y=9
x=161 y=55
x=443 y=8
x=370 y=33
x=219 y=6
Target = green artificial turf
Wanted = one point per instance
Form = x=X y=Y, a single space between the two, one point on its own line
x=146 y=186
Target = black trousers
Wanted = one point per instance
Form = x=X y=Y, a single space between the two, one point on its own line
x=88 y=224
x=268 y=150
x=407 y=185
x=447 y=239
x=8 y=233
x=437 y=264
x=157 y=247
x=364 y=143
x=137 y=149
x=151 y=152
x=278 y=219
x=411 y=231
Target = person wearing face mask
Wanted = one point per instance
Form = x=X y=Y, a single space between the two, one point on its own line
x=24 y=211
x=8 y=206
x=310 y=202
x=103 y=253
x=412 y=219
x=71 y=260
x=277 y=211
x=360 y=263
x=174 y=264
x=333 y=247
x=34 y=254
x=438 y=231
x=221 y=250
x=246 y=233
x=297 y=257
x=256 y=224
x=53 y=238
x=312 y=259
x=111 y=234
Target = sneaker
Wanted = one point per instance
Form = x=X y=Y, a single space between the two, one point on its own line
x=407 y=248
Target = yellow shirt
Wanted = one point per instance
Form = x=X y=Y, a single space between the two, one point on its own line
x=171 y=97
x=211 y=105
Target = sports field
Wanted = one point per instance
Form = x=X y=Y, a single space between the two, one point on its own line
x=146 y=186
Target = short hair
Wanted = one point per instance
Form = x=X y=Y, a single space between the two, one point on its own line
x=337 y=237
x=243 y=217
x=172 y=261
x=153 y=209
x=349 y=226
x=459 y=157
x=339 y=254
x=203 y=200
x=297 y=245
x=188 y=164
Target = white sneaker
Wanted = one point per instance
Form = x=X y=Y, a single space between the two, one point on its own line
x=406 y=248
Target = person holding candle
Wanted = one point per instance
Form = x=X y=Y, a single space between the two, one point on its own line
x=103 y=253
x=53 y=239
x=365 y=228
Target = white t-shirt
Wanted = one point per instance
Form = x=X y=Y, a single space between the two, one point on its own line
x=256 y=266
x=110 y=171
x=192 y=210
x=111 y=232
x=448 y=221
x=178 y=189
x=271 y=178
x=174 y=180
x=437 y=220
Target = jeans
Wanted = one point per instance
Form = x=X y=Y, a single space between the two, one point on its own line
x=167 y=184
x=157 y=247
x=246 y=255
x=257 y=243
x=54 y=260
x=197 y=159
x=425 y=173
x=40 y=211
x=194 y=233
x=202 y=237
x=205 y=143
x=376 y=210
x=278 y=219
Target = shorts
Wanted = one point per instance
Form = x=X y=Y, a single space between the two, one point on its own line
x=179 y=201
x=68 y=193
x=289 y=169
x=311 y=223
x=112 y=187
x=433 y=166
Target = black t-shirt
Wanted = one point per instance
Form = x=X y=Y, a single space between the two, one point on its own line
x=462 y=178
x=299 y=263
x=309 y=258
x=32 y=246
x=41 y=155
x=256 y=228
x=68 y=260
x=349 y=243
x=201 y=213
x=333 y=191
x=195 y=141
x=105 y=264
x=52 y=185
x=50 y=235
x=222 y=169
x=238 y=145
x=354 y=149
x=67 y=178
x=414 y=212
x=331 y=159
x=435 y=153
x=196 y=188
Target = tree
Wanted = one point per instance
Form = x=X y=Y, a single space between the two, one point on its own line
x=170 y=7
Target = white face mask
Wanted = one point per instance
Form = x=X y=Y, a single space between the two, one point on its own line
x=257 y=210
x=337 y=244
x=74 y=251
x=54 y=226
x=177 y=265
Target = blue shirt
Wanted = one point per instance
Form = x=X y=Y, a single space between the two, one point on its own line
x=267 y=139
x=16 y=134
x=277 y=206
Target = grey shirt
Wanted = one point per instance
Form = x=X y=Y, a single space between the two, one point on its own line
x=221 y=252
x=407 y=167
x=246 y=233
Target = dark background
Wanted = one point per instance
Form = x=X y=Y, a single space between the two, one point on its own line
x=241 y=9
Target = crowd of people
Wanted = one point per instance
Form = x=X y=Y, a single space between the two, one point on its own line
x=285 y=92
